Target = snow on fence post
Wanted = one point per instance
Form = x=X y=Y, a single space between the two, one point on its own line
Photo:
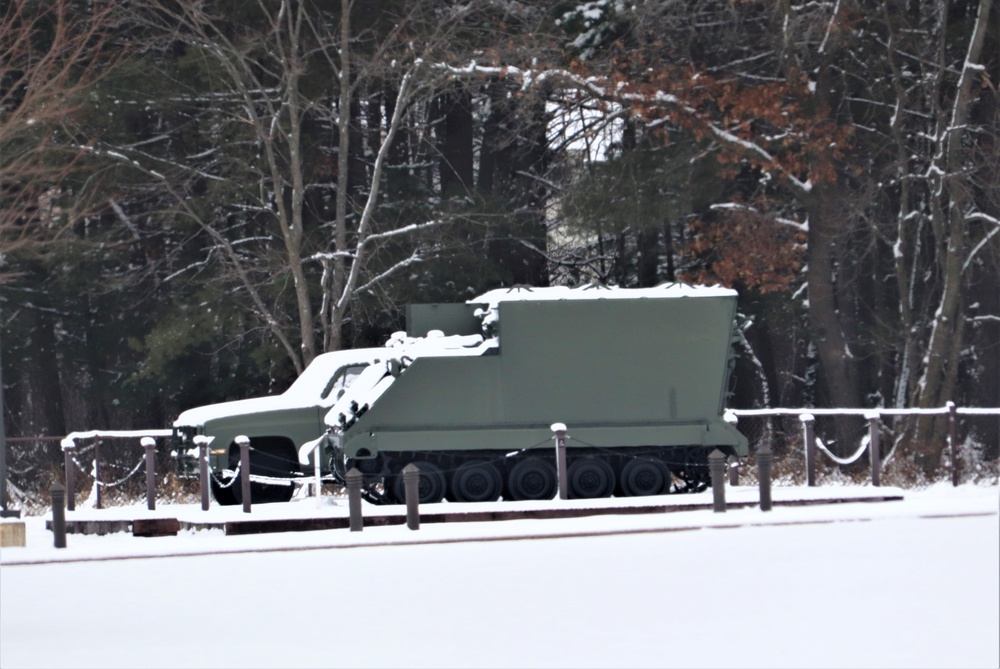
x=149 y=444
x=734 y=462
x=560 y=431
x=956 y=471
x=873 y=447
x=810 y=446
x=58 y=493
x=764 y=476
x=411 y=486
x=717 y=466
x=68 y=445
x=97 y=473
x=318 y=473
x=244 y=443
x=202 y=442
x=354 y=499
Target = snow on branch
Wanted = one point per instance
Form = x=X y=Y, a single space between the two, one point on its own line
x=980 y=216
x=734 y=206
x=330 y=255
x=404 y=230
x=604 y=89
x=412 y=260
x=982 y=243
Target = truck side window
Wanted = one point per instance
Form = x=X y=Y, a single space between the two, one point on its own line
x=343 y=379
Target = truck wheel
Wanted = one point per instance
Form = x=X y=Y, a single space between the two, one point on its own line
x=269 y=456
x=224 y=496
x=696 y=475
x=590 y=477
x=476 y=482
x=263 y=493
x=431 y=487
x=533 y=478
x=644 y=476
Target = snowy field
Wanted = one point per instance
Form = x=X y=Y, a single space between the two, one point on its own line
x=912 y=583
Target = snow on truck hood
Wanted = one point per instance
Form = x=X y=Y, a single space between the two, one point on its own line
x=305 y=392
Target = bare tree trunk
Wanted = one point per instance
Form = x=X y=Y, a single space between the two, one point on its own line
x=951 y=183
x=335 y=334
x=825 y=325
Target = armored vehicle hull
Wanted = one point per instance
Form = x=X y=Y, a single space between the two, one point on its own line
x=639 y=376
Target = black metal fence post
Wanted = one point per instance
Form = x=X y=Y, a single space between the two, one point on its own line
x=97 y=474
x=411 y=486
x=68 y=445
x=956 y=465
x=560 y=431
x=873 y=447
x=149 y=444
x=244 y=443
x=810 y=445
x=717 y=467
x=202 y=441
x=733 y=466
x=354 y=478
x=58 y=493
x=764 y=476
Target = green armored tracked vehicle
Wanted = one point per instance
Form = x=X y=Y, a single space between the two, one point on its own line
x=639 y=376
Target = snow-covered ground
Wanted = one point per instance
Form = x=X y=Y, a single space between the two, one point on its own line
x=912 y=583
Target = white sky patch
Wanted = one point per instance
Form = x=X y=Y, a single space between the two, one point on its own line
x=585 y=130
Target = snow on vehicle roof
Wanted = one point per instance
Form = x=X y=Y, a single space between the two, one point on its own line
x=595 y=292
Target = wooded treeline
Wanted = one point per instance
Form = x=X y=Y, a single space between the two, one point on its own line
x=199 y=196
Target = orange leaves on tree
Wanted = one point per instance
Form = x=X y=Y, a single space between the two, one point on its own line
x=746 y=249
x=773 y=125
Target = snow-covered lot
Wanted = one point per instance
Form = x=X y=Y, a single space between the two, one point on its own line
x=912 y=583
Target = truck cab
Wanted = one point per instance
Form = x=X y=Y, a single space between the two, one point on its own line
x=277 y=427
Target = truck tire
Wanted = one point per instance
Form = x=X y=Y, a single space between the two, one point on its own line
x=532 y=478
x=590 y=477
x=431 y=488
x=644 y=476
x=223 y=495
x=475 y=482
x=269 y=456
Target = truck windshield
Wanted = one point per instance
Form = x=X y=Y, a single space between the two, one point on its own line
x=324 y=377
x=342 y=381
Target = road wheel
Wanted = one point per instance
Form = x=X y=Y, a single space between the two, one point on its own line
x=476 y=482
x=590 y=477
x=532 y=478
x=223 y=495
x=269 y=456
x=644 y=476
x=431 y=487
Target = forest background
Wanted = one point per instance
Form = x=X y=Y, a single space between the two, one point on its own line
x=197 y=197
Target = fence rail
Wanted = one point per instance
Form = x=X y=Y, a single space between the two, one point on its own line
x=870 y=443
x=759 y=425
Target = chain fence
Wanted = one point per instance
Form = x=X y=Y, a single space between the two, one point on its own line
x=112 y=469
x=843 y=441
x=109 y=471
